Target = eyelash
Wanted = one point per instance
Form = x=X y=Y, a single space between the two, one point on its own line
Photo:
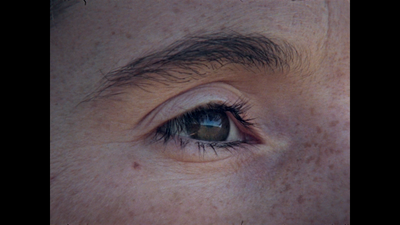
x=238 y=110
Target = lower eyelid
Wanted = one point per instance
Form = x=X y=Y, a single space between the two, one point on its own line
x=190 y=150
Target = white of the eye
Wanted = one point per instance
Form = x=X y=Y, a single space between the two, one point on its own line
x=234 y=134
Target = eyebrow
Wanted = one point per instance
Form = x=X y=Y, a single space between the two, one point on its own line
x=185 y=59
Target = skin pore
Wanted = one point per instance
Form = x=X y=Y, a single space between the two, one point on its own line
x=105 y=168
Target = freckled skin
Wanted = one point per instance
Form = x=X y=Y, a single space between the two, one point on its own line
x=301 y=176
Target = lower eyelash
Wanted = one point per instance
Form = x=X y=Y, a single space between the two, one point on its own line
x=217 y=145
x=204 y=146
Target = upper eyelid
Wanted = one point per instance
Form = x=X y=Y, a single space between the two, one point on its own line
x=237 y=109
x=189 y=100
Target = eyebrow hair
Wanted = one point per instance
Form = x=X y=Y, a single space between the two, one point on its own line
x=183 y=60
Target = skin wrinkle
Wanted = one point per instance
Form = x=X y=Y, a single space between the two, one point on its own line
x=303 y=113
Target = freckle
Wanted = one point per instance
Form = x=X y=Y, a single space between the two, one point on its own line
x=176 y=10
x=176 y=197
x=331 y=166
x=307 y=145
x=309 y=159
x=312 y=111
x=317 y=179
x=186 y=30
x=333 y=123
x=112 y=33
x=318 y=160
x=300 y=199
x=333 y=151
x=325 y=136
x=52 y=179
x=287 y=187
x=136 y=165
x=165 y=30
x=319 y=130
x=128 y=35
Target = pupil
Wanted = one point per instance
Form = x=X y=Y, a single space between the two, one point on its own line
x=209 y=126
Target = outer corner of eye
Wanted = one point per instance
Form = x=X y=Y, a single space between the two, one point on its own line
x=239 y=133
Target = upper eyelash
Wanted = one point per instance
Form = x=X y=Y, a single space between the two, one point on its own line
x=238 y=110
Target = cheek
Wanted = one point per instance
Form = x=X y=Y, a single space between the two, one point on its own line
x=311 y=169
x=308 y=180
x=196 y=197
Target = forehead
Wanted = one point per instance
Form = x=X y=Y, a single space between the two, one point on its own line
x=162 y=22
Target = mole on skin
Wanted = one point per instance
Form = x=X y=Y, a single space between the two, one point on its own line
x=136 y=165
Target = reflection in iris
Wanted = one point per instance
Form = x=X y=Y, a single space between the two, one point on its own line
x=209 y=126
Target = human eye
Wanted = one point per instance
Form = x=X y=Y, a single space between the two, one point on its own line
x=216 y=127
